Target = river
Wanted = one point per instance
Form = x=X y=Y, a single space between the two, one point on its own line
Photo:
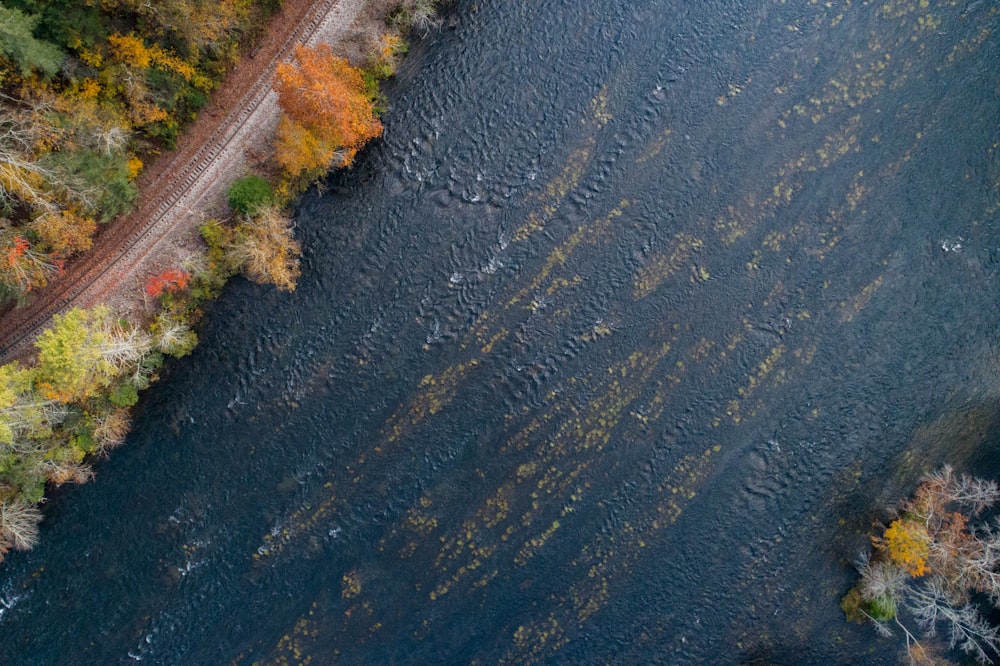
x=610 y=351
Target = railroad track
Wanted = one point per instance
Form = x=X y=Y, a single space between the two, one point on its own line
x=122 y=247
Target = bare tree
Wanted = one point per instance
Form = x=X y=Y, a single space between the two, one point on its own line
x=966 y=491
x=110 y=429
x=967 y=629
x=19 y=523
x=423 y=15
x=32 y=415
x=22 y=175
x=65 y=471
x=25 y=173
x=266 y=248
x=125 y=346
x=173 y=336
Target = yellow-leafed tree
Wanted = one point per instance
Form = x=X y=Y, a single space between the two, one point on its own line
x=266 y=249
x=908 y=544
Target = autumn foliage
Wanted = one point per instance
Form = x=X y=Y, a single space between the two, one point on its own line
x=22 y=266
x=908 y=545
x=67 y=406
x=262 y=247
x=87 y=91
x=269 y=251
x=133 y=51
x=933 y=561
x=18 y=247
x=169 y=281
x=329 y=112
x=64 y=233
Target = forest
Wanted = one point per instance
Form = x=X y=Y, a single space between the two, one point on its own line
x=89 y=93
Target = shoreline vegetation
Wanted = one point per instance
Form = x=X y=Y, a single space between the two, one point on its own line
x=935 y=566
x=87 y=95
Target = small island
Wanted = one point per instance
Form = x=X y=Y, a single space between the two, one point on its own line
x=932 y=566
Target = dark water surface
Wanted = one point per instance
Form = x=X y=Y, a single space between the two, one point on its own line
x=610 y=351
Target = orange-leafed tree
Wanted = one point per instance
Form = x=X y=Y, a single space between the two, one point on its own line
x=330 y=112
x=300 y=150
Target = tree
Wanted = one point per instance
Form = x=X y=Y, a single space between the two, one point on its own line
x=249 y=193
x=111 y=428
x=328 y=105
x=22 y=176
x=70 y=364
x=90 y=365
x=85 y=350
x=53 y=185
x=22 y=267
x=100 y=183
x=265 y=248
x=173 y=336
x=19 y=523
x=201 y=23
x=300 y=150
x=63 y=233
x=26 y=418
x=908 y=545
x=127 y=348
x=414 y=14
x=14 y=382
x=19 y=44
x=931 y=561
x=133 y=51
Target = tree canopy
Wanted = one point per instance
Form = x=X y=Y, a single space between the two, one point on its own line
x=71 y=365
x=248 y=194
x=17 y=42
x=85 y=89
x=330 y=112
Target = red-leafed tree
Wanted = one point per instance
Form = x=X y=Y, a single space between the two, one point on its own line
x=169 y=281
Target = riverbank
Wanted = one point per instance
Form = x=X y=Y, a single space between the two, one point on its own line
x=98 y=336
x=179 y=190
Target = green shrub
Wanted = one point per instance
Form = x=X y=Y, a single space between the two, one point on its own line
x=124 y=396
x=165 y=131
x=881 y=608
x=250 y=193
x=83 y=440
